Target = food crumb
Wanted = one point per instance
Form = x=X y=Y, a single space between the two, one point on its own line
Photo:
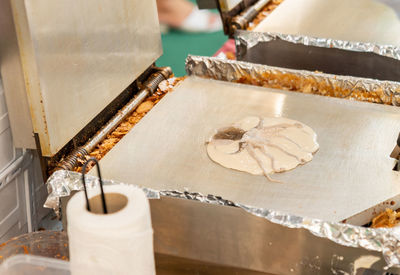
x=387 y=218
x=145 y=107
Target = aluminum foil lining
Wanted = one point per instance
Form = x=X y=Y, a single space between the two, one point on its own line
x=356 y=88
x=253 y=38
x=384 y=240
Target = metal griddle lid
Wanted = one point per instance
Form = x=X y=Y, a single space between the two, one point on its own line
x=77 y=61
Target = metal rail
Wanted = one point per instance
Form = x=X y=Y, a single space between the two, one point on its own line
x=240 y=22
x=149 y=87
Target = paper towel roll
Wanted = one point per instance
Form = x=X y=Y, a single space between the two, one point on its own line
x=120 y=242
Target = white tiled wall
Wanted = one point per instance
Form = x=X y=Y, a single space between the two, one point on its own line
x=13 y=218
x=13 y=215
x=22 y=191
x=7 y=152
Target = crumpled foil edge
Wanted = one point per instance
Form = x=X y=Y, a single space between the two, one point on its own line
x=361 y=89
x=386 y=240
x=251 y=39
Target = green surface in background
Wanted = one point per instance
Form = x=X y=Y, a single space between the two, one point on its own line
x=178 y=45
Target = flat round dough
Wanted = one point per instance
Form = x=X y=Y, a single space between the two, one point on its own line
x=263 y=145
x=350 y=20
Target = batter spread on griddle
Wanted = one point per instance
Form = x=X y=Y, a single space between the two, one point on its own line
x=263 y=146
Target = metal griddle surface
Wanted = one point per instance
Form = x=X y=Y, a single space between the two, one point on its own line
x=351 y=172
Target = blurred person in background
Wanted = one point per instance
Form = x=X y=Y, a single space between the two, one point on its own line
x=185 y=16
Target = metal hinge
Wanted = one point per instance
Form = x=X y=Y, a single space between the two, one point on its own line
x=15 y=168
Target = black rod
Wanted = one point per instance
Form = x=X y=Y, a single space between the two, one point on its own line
x=103 y=199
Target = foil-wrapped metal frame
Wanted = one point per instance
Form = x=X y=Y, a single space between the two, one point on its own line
x=356 y=88
x=359 y=59
x=384 y=240
x=253 y=38
x=361 y=240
